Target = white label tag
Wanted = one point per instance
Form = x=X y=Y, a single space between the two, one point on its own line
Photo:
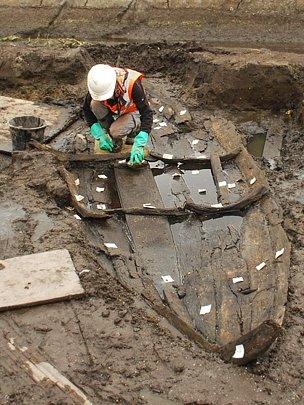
x=237 y=280
x=279 y=253
x=148 y=206
x=167 y=279
x=77 y=182
x=183 y=112
x=161 y=109
x=110 y=245
x=231 y=185
x=102 y=176
x=79 y=197
x=162 y=124
x=252 y=181
x=239 y=352
x=167 y=156
x=84 y=271
x=77 y=216
x=205 y=309
x=217 y=205
x=100 y=189
x=261 y=266
x=194 y=142
x=101 y=206
x=222 y=184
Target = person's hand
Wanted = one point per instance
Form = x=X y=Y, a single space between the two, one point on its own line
x=137 y=152
x=99 y=133
x=106 y=144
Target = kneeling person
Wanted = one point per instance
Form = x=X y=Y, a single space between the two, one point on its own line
x=116 y=107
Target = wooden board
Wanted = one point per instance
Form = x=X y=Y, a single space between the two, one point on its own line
x=27 y=367
x=219 y=178
x=38 y=278
x=151 y=235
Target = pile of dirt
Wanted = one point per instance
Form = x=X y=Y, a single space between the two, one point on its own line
x=258 y=79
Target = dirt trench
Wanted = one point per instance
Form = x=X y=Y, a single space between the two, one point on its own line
x=115 y=347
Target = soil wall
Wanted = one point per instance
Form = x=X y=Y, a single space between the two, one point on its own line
x=286 y=7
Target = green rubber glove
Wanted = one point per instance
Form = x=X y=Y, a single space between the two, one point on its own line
x=99 y=133
x=137 y=151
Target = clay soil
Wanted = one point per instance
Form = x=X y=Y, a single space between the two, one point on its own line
x=110 y=343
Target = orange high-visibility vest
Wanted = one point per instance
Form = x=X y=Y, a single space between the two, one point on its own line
x=126 y=78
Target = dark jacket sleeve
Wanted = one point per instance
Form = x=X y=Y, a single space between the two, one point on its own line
x=142 y=104
x=89 y=116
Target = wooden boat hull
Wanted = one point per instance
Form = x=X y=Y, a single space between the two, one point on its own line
x=204 y=271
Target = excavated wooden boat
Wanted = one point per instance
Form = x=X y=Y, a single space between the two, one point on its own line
x=199 y=237
x=196 y=232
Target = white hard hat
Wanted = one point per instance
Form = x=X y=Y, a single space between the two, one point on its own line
x=101 y=82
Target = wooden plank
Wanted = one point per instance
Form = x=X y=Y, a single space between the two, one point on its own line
x=6 y=146
x=38 y=278
x=81 y=206
x=219 y=179
x=257 y=248
x=246 y=201
x=174 y=302
x=30 y=369
x=194 y=257
x=151 y=235
x=255 y=343
x=192 y=159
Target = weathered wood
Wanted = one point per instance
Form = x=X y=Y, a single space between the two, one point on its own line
x=79 y=157
x=194 y=255
x=107 y=157
x=6 y=148
x=151 y=234
x=162 y=212
x=153 y=299
x=249 y=199
x=175 y=159
x=38 y=278
x=64 y=126
x=61 y=156
x=78 y=205
x=30 y=367
x=219 y=177
x=280 y=268
x=173 y=301
x=255 y=343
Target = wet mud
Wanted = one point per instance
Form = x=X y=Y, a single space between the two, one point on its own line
x=111 y=344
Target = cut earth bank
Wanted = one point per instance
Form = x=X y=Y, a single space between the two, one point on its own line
x=147 y=357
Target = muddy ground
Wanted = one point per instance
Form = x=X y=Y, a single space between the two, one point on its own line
x=111 y=344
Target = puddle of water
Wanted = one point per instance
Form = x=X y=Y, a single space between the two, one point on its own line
x=202 y=180
x=44 y=224
x=193 y=178
x=256 y=145
x=9 y=214
x=164 y=184
x=216 y=224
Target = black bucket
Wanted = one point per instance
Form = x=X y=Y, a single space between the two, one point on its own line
x=25 y=128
